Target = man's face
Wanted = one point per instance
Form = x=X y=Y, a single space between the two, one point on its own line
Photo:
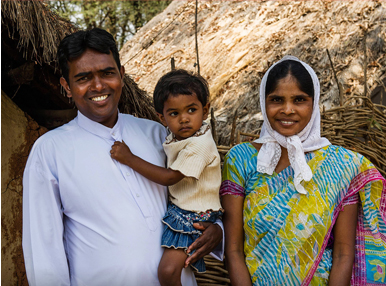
x=95 y=84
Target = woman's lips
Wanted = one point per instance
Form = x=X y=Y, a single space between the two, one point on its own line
x=287 y=122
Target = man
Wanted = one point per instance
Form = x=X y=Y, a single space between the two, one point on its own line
x=87 y=219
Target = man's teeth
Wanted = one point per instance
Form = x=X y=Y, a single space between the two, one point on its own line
x=99 y=98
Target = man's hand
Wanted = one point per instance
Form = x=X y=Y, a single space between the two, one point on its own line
x=120 y=152
x=210 y=238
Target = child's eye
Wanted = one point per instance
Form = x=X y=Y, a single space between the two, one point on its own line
x=191 y=110
x=173 y=113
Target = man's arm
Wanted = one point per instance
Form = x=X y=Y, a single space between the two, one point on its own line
x=44 y=253
x=163 y=176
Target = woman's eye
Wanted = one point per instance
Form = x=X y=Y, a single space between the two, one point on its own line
x=275 y=99
x=299 y=99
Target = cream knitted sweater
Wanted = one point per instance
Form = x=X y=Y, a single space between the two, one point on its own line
x=197 y=158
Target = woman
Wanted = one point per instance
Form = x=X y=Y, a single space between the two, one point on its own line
x=298 y=210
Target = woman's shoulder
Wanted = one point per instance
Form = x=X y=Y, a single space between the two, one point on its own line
x=343 y=156
x=243 y=150
x=343 y=152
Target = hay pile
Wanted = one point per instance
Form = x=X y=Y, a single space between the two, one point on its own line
x=239 y=40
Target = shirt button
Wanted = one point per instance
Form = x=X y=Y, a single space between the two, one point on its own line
x=137 y=195
x=113 y=133
x=128 y=174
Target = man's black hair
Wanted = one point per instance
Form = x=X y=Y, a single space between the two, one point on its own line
x=295 y=69
x=74 y=45
x=180 y=82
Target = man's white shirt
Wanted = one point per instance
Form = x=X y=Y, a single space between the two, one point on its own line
x=87 y=219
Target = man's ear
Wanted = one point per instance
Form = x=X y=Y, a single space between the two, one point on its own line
x=162 y=118
x=206 y=110
x=122 y=71
x=66 y=86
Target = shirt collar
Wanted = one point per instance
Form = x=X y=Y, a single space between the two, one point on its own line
x=99 y=129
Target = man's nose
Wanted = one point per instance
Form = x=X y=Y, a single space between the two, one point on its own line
x=97 y=84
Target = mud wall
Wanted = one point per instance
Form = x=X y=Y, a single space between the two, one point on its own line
x=18 y=133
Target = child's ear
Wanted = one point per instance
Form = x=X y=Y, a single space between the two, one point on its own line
x=206 y=110
x=162 y=118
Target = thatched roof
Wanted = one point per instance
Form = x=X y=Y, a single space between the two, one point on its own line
x=30 y=72
x=239 y=40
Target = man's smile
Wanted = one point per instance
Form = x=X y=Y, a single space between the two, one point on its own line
x=100 y=97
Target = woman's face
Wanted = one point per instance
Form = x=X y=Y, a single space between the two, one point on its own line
x=288 y=108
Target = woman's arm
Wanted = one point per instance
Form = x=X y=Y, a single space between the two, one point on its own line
x=344 y=246
x=163 y=176
x=234 y=240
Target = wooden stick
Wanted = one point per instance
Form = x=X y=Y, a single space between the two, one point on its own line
x=365 y=62
x=213 y=125
x=198 y=61
x=173 y=64
x=336 y=79
x=232 y=139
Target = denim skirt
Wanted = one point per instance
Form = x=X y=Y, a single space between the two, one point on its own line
x=179 y=231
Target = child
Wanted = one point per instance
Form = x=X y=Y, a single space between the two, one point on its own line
x=193 y=174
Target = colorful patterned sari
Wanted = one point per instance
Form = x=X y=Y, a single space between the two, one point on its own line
x=287 y=234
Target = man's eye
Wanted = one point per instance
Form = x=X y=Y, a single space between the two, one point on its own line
x=82 y=78
x=108 y=73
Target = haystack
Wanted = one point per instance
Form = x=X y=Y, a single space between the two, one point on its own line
x=239 y=40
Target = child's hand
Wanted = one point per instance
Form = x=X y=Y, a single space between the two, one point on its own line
x=120 y=152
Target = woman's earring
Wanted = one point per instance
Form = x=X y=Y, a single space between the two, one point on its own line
x=292 y=111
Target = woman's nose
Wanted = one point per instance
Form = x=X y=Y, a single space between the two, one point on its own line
x=288 y=108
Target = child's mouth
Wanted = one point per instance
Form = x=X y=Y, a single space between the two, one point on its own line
x=185 y=128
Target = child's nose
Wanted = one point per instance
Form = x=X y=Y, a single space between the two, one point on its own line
x=184 y=119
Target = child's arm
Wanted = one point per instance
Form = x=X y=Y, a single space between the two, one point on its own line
x=163 y=176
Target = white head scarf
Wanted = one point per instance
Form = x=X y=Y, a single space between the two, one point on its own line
x=305 y=141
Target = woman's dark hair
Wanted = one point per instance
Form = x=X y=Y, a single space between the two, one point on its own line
x=179 y=82
x=74 y=45
x=294 y=68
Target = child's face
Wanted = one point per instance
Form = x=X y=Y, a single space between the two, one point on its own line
x=183 y=114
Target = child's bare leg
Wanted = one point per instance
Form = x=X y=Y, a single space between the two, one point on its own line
x=170 y=267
